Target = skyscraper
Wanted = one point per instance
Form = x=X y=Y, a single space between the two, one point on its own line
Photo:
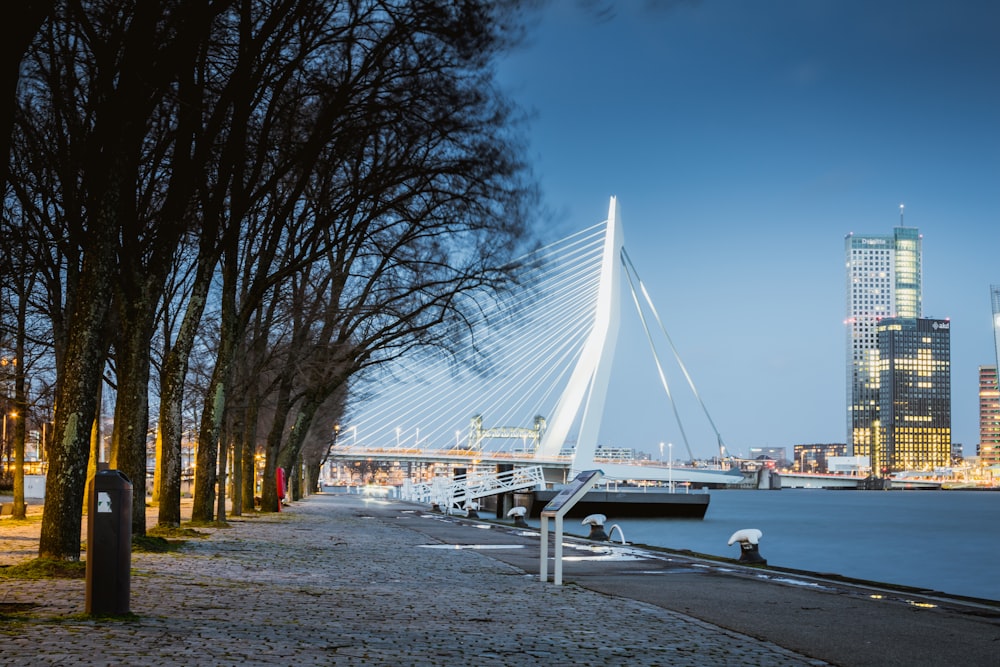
x=989 y=394
x=883 y=280
x=989 y=416
x=913 y=426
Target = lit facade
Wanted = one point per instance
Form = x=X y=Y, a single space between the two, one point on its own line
x=989 y=416
x=883 y=280
x=913 y=425
x=995 y=300
x=813 y=458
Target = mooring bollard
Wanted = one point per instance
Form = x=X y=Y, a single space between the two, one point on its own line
x=748 y=539
x=596 y=523
x=472 y=510
x=518 y=514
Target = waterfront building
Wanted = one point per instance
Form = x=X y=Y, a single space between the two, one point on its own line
x=814 y=458
x=988 y=450
x=776 y=453
x=912 y=428
x=849 y=465
x=995 y=301
x=883 y=280
x=612 y=453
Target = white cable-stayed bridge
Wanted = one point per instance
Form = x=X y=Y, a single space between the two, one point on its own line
x=531 y=390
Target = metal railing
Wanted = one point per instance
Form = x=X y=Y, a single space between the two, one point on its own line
x=449 y=493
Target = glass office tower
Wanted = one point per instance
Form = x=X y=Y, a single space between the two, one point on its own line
x=883 y=280
x=912 y=430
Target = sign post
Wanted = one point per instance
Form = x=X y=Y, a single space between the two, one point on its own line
x=557 y=509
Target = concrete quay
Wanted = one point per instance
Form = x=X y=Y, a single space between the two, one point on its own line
x=345 y=580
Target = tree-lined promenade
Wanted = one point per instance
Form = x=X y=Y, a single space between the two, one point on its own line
x=221 y=217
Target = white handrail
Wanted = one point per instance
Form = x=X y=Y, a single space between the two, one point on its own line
x=450 y=493
x=470 y=487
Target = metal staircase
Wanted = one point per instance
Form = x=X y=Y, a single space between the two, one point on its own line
x=450 y=493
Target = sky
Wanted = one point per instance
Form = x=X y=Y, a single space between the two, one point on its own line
x=743 y=141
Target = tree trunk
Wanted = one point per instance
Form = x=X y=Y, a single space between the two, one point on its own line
x=172 y=377
x=168 y=465
x=94 y=457
x=215 y=401
x=237 y=488
x=313 y=472
x=157 y=456
x=249 y=462
x=203 y=505
x=220 y=511
x=268 y=491
x=76 y=406
x=20 y=396
x=291 y=453
x=20 y=507
x=296 y=485
x=249 y=487
x=128 y=440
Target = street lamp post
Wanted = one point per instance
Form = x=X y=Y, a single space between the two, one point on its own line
x=6 y=449
x=671 y=468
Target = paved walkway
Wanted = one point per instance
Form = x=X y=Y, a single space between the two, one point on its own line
x=337 y=580
x=341 y=580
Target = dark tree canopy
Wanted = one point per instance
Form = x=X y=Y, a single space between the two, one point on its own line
x=279 y=196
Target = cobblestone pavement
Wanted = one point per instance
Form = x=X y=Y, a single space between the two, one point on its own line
x=330 y=582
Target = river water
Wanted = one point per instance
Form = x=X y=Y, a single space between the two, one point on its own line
x=942 y=540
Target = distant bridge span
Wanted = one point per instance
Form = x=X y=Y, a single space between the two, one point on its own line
x=613 y=470
x=792 y=480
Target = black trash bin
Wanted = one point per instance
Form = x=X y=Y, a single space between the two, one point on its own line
x=109 y=543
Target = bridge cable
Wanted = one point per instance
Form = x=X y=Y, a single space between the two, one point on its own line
x=677 y=356
x=656 y=357
x=520 y=330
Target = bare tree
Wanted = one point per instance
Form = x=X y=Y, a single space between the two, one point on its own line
x=18 y=30
x=419 y=196
x=120 y=61
x=353 y=154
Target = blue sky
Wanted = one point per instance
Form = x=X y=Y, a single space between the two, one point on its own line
x=744 y=140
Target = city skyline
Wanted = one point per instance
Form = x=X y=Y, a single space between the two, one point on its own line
x=743 y=145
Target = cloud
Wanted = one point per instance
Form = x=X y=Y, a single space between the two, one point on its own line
x=605 y=11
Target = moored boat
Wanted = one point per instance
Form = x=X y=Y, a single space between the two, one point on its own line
x=623 y=503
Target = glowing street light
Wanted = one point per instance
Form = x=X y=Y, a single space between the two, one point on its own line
x=13 y=415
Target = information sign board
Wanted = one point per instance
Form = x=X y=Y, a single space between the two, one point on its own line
x=556 y=509
x=572 y=492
